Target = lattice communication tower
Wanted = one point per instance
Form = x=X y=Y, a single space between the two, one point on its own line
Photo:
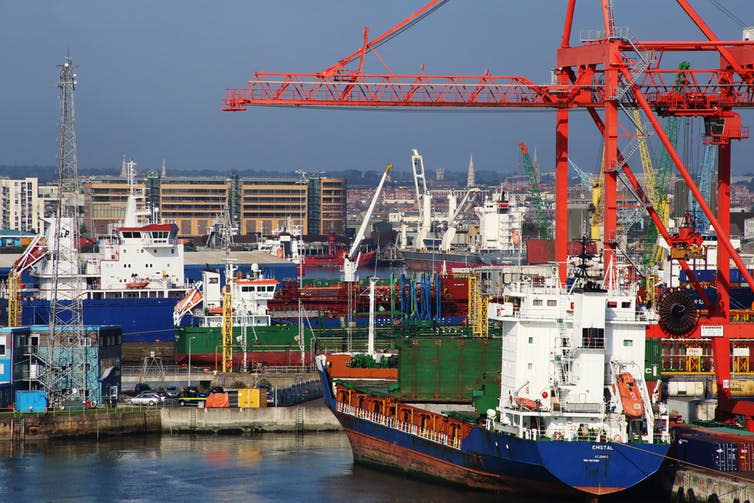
x=65 y=365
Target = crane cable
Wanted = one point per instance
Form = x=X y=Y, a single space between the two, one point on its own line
x=408 y=25
x=727 y=12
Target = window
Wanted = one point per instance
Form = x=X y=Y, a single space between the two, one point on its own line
x=537 y=302
x=531 y=340
x=593 y=338
x=552 y=302
x=628 y=343
x=529 y=366
x=625 y=305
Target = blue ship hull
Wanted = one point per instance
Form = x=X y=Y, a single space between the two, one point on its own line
x=142 y=320
x=494 y=461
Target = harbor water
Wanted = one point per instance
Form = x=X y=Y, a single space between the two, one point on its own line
x=314 y=468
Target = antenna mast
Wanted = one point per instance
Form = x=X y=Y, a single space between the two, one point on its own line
x=66 y=369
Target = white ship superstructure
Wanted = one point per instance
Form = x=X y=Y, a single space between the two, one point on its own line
x=500 y=224
x=573 y=364
x=138 y=259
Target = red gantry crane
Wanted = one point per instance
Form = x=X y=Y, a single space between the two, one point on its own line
x=606 y=73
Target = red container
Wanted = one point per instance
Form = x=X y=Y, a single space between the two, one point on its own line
x=746 y=456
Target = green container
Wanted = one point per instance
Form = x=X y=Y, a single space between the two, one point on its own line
x=488 y=396
x=445 y=369
x=652 y=359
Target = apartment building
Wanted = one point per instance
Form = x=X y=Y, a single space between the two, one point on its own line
x=193 y=203
x=19 y=204
x=270 y=204
x=333 y=203
x=256 y=205
x=105 y=202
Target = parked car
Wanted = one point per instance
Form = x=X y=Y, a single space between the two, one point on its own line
x=191 y=396
x=146 y=398
x=141 y=387
x=171 y=392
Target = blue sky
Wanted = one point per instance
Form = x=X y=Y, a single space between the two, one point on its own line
x=152 y=74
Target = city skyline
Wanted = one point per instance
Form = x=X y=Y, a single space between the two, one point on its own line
x=151 y=82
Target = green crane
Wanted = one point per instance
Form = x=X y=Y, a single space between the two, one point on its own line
x=543 y=223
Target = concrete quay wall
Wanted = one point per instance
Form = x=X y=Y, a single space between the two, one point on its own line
x=697 y=485
x=62 y=424
x=266 y=419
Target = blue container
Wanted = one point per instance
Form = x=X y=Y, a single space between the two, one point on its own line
x=31 y=401
x=708 y=452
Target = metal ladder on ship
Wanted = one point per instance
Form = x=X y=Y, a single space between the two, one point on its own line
x=562 y=351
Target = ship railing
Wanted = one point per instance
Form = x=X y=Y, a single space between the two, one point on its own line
x=391 y=422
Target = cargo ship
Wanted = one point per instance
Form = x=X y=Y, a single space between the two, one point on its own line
x=574 y=414
x=442 y=299
x=134 y=280
x=273 y=327
x=198 y=319
x=498 y=242
x=289 y=246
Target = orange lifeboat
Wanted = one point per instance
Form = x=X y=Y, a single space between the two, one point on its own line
x=633 y=406
x=526 y=403
x=137 y=284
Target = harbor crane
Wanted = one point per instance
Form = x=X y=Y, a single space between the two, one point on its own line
x=455 y=217
x=33 y=253
x=608 y=73
x=540 y=215
x=423 y=200
x=352 y=258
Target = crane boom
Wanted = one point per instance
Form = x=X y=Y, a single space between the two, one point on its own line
x=368 y=216
x=599 y=74
x=701 y=222
x=450 y=233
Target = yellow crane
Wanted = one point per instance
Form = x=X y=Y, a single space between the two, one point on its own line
x=660 y=203
x=478 y=306
x=227 y=329
x=34 y=252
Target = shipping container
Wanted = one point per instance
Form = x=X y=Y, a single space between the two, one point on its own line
x=445 y=369
x=745 y=456
x=652 y=359
x=252 y=398
x=708 y=452
x=540 y=251
x=31 y=401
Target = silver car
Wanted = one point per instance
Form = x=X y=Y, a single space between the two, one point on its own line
x=146 y=398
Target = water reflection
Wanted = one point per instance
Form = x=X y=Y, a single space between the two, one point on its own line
x=266 y=468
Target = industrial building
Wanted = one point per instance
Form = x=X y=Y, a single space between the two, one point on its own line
x=27 y=353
